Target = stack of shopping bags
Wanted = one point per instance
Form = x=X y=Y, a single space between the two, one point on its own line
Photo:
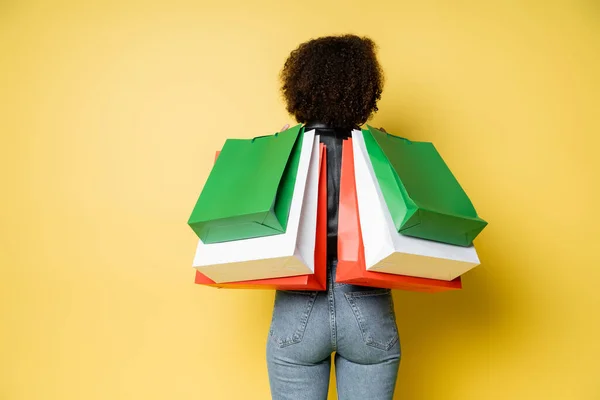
x=404 y=220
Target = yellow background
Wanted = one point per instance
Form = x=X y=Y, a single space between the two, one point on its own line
x=109 y=117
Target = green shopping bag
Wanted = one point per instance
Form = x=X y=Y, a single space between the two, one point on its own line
x=423 y=196
x=249 y=190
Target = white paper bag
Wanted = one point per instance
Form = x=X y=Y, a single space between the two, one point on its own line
x=386 y=250
x=288 y=254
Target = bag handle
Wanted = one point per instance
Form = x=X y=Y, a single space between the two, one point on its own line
x=300 y=132
x=408 y=141
x=264 y=136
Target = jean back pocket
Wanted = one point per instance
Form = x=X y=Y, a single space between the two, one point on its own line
x=374 y=312
x=290 y=316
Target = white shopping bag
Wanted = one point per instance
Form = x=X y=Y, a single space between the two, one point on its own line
x=386 y=250
x=288 y=254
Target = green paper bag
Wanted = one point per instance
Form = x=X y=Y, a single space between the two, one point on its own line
x=249 y=190
x=423 y=196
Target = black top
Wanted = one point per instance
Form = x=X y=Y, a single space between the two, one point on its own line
x=332 y=138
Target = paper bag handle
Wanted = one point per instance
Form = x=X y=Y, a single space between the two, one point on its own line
x=258 y=137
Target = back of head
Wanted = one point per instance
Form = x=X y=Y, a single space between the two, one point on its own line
x=334 y=80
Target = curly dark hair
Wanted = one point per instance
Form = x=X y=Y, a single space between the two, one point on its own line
x=335 y=80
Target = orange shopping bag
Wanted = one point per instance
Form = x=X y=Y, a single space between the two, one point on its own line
x=351 y=255
x=316 y=281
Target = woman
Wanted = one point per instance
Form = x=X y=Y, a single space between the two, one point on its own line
x=332 y=84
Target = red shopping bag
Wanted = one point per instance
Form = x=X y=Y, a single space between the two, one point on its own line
x=316 y=281
x=351 y=255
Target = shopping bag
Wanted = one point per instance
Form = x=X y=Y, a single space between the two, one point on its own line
x=386 y=250
x=261 y=172
x=351 y=257
x=287 y=254
x=423 y=196
x=316 y=281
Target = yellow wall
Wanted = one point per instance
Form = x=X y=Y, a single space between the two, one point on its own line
x=109 y=117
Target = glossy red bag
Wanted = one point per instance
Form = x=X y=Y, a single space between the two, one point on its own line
x=351 y=266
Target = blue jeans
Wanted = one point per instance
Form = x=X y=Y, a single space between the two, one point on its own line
x=357 y=323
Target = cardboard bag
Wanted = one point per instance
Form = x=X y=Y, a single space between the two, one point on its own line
x=423 y=196
x=261 y=171
x=351 y=256
x=288 y=254
x=316 y=281
x=386 y=250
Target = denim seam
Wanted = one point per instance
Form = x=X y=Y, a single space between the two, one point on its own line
x=332 y=322
x=369 y=293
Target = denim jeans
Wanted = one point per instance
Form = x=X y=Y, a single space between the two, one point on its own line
x=357 y=323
